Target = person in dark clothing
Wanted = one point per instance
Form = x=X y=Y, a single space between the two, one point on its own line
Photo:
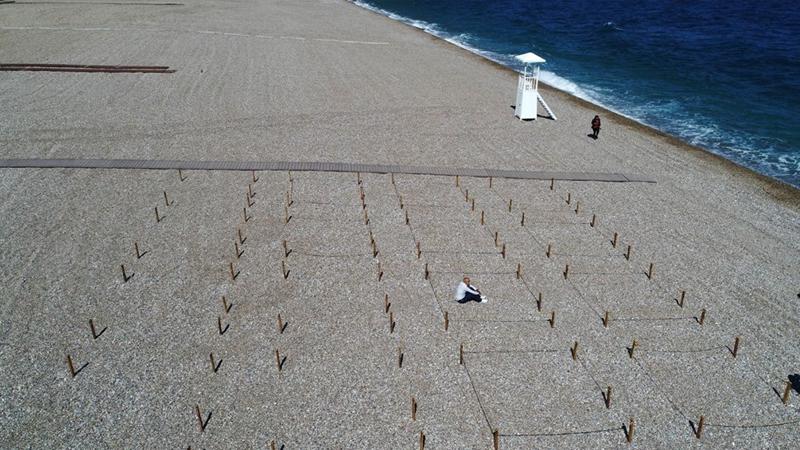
x=595 y=127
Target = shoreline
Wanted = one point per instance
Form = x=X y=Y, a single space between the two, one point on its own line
x=779 y=190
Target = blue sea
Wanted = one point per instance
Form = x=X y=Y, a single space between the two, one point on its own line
x=723 y=75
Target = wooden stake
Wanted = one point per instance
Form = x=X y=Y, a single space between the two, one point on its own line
x=95 y=334
x=239 y=253
x=158 y=217
x=219 y=326
x=401 y=204
x=539 y=303
x=234 y=275
x=552 y=319
x=457 y=181
x=419 y=251
x=633 y=348
x=735 y=347
x=273 y=446
x=786 y=392
x=241 y=237
x=391 y=322
x=522 y=222
x=702 y=316
x=244 y=214
x=569 y=198
x=606 y=319
x=446 y=321
x=552 y=183
x=496 y=439
x=285 y=215
x=628 y=253
x=125 y=276
x=503 y=251
x=225 y=305
x=566 y=272
x=180 y=176
x=278 y=361
x=413 y=408
x=166 y=199
x=285 y=249
x=549 y=248
x=607 y=397
x=214 y=365
x=139 y=254
x=490 y=182
x=594 y=219
x=250 y=192
x=421 y=440
x=461 y=354
x=427 y=274
x=391 y=177
x=519 y=270
x=280 y=324
x=700 y=425
x=473 y=204
x=253 y=173
x=386 y=303
x=510 y=202
x=577 y=207
x=358 y=177
x=496 y=237
x=482 y=218
x=400 y=357
x=614 y=240
x=574 y=351
x=406 y=216
x=200 y=420
x=681 y=299
x=71 y=367
x=650 y=272
x=466 y=195
x=284 y=271
x=631 y=428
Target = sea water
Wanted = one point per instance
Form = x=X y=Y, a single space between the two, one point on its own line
x=722 y=75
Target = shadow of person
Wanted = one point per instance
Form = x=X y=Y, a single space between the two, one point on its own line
x=591 y=136
x=795 y=380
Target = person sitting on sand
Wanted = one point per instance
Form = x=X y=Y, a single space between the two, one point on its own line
x=595 y=126
x=466 y=292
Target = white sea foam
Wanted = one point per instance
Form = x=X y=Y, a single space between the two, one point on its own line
x=462 y=40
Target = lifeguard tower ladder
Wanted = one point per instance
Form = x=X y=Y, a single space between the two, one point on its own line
x=528 y=96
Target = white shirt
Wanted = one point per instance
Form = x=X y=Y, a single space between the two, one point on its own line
x=462 y=290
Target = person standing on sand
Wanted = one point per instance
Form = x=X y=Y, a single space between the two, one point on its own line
x=466 y=292
x=595 y=127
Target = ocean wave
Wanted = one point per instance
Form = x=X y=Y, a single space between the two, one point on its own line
x=428 y=27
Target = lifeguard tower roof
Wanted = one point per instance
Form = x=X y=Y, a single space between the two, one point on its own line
x=530 y=58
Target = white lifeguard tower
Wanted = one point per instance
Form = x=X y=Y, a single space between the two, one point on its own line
x=528 y=96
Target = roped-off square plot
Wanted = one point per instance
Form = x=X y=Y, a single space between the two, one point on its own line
x=540 y=391
x=728 y=392
x=628 y=296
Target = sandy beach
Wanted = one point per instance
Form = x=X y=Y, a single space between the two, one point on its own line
x=361 y=268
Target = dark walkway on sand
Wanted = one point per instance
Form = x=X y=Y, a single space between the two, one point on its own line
x=317 y=167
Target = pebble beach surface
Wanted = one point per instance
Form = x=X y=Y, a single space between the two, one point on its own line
x=364 y=282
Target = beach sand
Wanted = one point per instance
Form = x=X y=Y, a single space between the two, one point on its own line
x=329 y=81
